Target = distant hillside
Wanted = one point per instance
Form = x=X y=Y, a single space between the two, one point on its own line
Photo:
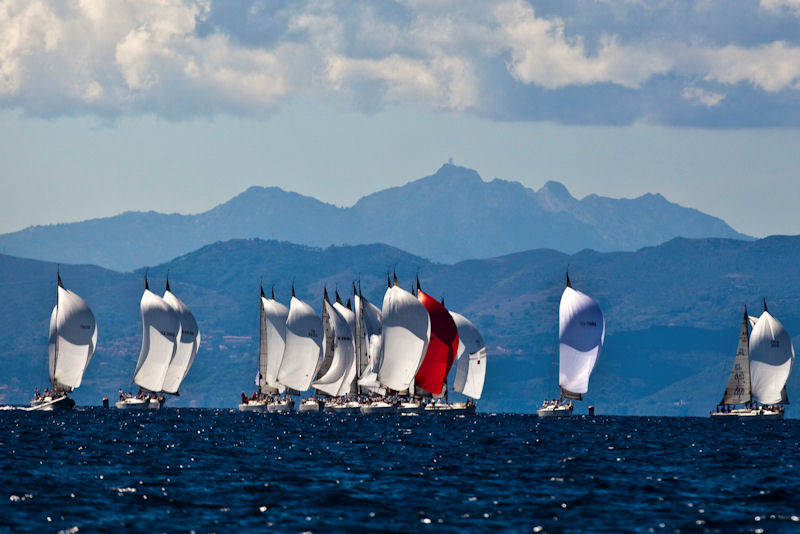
x=672 y=315
x=450 y=216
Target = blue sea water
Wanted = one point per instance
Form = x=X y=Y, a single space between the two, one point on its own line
x=181 y=470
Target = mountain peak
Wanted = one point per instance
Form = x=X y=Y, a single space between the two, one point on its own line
x=451 y=172
x=555 y=196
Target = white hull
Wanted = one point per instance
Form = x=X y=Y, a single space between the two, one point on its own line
x=309 y=406
x=410 y=407
x=456 y=407
x=280 y=406
x=135 y=403
x=344 y=408
x=555 y=411
x=49 y=404
x=378 y=407
x=751 y=413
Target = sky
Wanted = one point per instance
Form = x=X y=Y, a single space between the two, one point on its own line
x=177 y=106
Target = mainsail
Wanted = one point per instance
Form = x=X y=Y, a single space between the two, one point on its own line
x=73 y=338
x=771 y=357
x=368 y=342
x=303 y=351
x=343 y=352
x=272 y=341
x=581 y=331
x=187 y=346
x=406 y=330
x=738 y=389
x=471 y=366
x=442 y=347
x=160 y=331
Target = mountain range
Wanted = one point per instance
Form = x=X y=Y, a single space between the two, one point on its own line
x=673 y=314
x=450 y=216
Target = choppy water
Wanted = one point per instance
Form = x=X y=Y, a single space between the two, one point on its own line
x=220 y=470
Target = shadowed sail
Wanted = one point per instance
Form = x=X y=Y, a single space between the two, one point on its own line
x=73 y=338
x=303 y=351
x=348 y=383
x=160 y=330
x=187 y=346
x=442 y=347
x=406 y=330
x=771 y=357
x=271 y=344
x=471 y=365
x=738 y=389
x=339 y=344
x=581 y=331
x=368 y=343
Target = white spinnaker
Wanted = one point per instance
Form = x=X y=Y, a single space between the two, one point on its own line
x=160 y=331
x=771 y=357
x=73 y=338
x=187 y=346
x=406 y=332
x=471 y=366
x=303 y=351
x=343 y=354
x=272 y=342
x=371 y=340
x=581 y=331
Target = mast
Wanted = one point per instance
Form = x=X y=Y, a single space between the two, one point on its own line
x=262 y=343
x=59 y=285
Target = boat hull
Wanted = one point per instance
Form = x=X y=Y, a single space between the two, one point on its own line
x=309 y=407
x=748 y=413
x=554 y=411
x=410 y=408
x=48 y=404
x=267 y=406
x=456 y=407
x=138 y=404
x=378 y=408
x=344 y=409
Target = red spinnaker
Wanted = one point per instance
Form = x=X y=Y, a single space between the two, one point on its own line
x=442 y=348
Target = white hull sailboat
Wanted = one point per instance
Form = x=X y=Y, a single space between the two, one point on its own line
x=756 y=387
x=581 y=331
x=73 y=338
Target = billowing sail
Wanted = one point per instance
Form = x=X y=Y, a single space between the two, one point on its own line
x=406 y=330
x=73 y=338
x=303 y=350
x=188 y=344
x=160 y=331
x=471 y=366
x=442 y=347
x=368 y=319
x=771 y=357
x=341 y=361
x=272 y=341
x=581 y=331
x=738 y=389
x=348 y=383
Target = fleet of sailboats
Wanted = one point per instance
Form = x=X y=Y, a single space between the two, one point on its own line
x=756 y=387
x=73 y=339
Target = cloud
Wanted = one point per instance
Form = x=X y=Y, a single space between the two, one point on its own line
x=509 y=60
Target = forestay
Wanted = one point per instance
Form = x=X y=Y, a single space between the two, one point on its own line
x=160 y=330
x=406 y=330
x=581 y=331
x=303 y=351
x=73 y=338
x=771 y=357
x=738 y=389
x=471 y=366
x=187 y=346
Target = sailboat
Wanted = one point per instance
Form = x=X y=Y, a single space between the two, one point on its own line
x=339 y=358
x=347 y=397
x=161 y=329
x=368 y=337
x=302 y=353
x=581 y=331
x=760 y=370
x=406 y=329
x=188 y=343
x=272 y=341
x=471 y=363
x=73 y=339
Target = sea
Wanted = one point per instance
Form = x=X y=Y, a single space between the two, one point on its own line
x=219 y=470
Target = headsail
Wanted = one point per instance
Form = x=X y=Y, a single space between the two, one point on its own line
x=187 y=346
x=771 y=357
x=348 y=382
x=581 y=331
x=442 y=347
x=368 y=321
x=738 y=389
x=342 y=352
x=73 y=338
x=160 y=331
x=272 y=341
x=406 y=330
x=303 y=350
x=471 y=366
